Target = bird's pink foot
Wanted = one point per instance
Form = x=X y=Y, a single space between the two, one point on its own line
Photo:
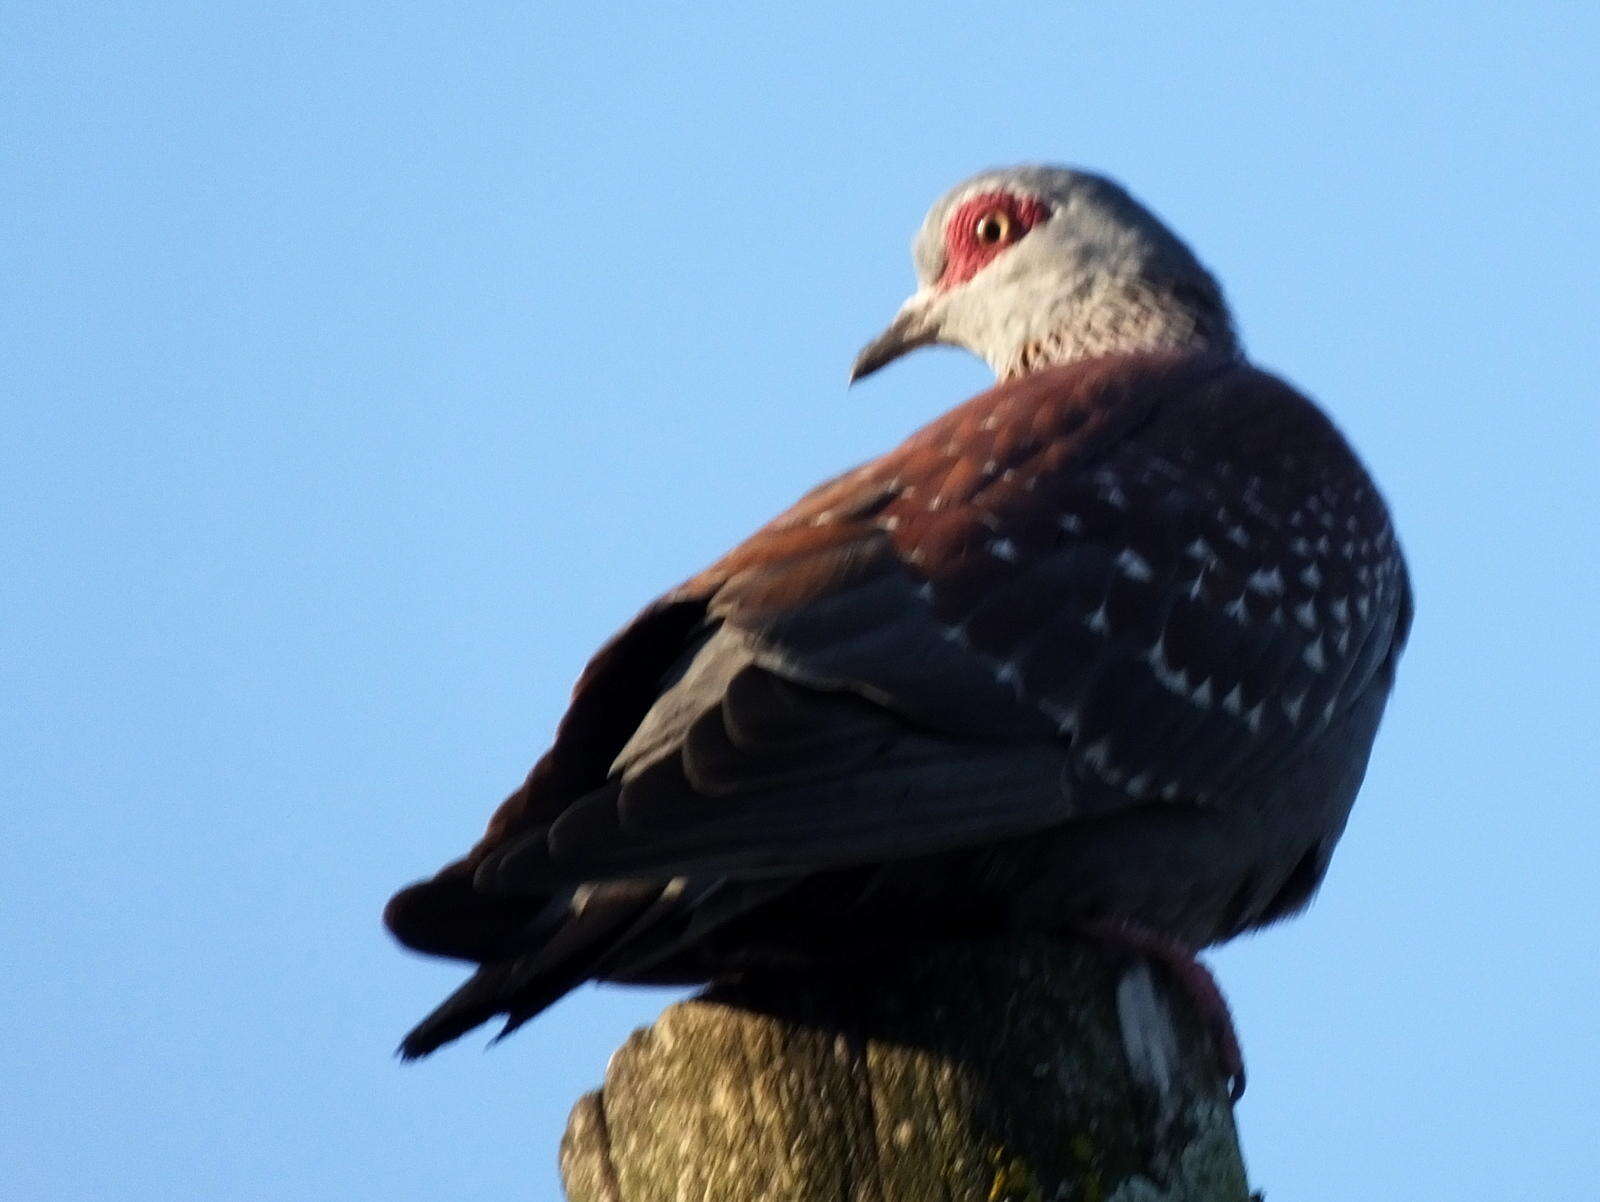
x=1193 y=977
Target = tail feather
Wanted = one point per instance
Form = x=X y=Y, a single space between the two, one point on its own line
x=521 y=986
x=470 y=1006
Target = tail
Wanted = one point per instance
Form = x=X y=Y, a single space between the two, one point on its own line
x=563 y=941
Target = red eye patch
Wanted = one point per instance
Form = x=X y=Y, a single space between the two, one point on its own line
x=981 y=228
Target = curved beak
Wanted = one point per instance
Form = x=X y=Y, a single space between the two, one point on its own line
x=915 y=325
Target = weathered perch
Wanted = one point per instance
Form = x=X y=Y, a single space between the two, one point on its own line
x=1029 y=1070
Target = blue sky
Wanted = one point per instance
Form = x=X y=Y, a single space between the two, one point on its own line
x=363 y=366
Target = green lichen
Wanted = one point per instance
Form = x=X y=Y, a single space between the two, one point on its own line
x=1208 y=1168
x=1091 y=1186
x=1013 y=1181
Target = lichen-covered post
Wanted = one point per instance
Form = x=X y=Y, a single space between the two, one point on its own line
x=1028 y=1070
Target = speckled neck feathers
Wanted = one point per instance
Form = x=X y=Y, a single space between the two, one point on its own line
x=1124 y=317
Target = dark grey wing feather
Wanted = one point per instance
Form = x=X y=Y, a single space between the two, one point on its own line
x=780 y=778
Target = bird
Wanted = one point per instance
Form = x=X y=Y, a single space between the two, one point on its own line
x=1104 y=648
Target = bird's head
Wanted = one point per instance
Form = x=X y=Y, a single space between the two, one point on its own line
x=1033 y=266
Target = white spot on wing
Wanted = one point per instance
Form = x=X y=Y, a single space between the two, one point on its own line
x=1252 y=716
x=1313 y=655
x=1109 y=486
x=1174 y=680
x=1066 y=718
x=1269 y=582
x=1006 y=673
x=1004 y=548
x=1133 y=565
x=1097 y=754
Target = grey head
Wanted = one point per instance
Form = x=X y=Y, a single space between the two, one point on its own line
x=1032 y=266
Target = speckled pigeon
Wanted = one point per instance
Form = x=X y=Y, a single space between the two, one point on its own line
x=1106 y=644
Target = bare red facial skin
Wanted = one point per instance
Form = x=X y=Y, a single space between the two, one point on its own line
x=966 y=253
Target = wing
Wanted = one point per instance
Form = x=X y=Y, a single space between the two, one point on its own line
x=1173 y=574
x=1106 y=585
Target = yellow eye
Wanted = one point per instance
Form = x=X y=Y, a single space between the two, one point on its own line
x=993 y=227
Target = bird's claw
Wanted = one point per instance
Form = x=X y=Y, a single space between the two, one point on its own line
x=1193 y=977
